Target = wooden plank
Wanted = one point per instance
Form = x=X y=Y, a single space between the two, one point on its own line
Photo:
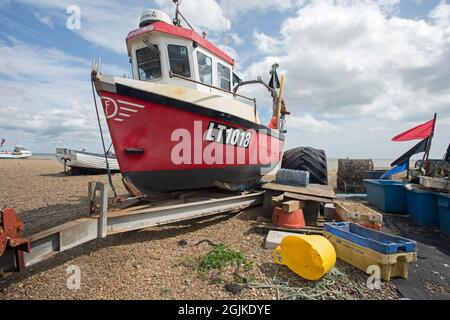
x=276 y=201
x=301 y=230
x=291 y=205
x=266 y=221
x=304 y=197
x=435 y=183
x=357 y=212
x=315 y=190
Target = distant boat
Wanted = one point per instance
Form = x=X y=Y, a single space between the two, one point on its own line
x=82 y=162
x=19 y=152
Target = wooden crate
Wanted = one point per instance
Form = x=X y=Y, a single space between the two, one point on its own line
x=391 y=265
x=358 y=213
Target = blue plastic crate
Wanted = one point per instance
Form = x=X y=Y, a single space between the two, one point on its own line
x=444 y=212
x=422 y=207
x=387 y=195
x=369 y=238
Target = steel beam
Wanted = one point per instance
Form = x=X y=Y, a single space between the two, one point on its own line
x=145 y=218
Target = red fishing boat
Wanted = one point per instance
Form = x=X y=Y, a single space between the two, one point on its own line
x=179 y=123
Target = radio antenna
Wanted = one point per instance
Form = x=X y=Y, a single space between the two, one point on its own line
x=226 y=27
x=178 y=14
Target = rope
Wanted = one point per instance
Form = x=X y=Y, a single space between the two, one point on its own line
x=292 y=289
x=113 y=188
x=212 y=244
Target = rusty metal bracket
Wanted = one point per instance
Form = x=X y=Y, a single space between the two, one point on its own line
x=11 y=229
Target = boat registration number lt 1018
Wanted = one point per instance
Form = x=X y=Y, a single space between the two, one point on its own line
x=222 y=133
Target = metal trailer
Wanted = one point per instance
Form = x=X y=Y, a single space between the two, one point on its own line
x=17 y=253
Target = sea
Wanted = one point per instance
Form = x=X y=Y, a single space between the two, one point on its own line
x=332 y=163
x=44 y=156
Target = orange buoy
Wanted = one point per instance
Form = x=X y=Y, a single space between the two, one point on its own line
x=273 y=123
x=291 y=220
x=311 y=257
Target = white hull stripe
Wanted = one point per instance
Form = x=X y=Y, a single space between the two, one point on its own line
x=123 y=110
x=127 y=109
x=131 y=104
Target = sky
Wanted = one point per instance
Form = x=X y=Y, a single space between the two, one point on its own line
x=357 y=72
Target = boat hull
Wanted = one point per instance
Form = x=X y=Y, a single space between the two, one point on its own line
x=232 y=178
x=15 y=156
x=85 y=162
x=164 y=144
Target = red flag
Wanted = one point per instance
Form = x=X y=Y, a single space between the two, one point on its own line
x=420 y=132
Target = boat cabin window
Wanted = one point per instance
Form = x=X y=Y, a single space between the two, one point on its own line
x=179 y=60
x=223 y=75
x=148 y=62
x=204 y=68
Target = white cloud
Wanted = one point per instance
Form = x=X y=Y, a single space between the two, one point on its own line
x=352 y=58
x=237 y=40
x=46 y=97
x=360 y=64
x=239 y=7
x=117 y=18
x=441 y=14
x=310 y=124
x=350 y=65
x=98 y=19
x=201 y=14
x=266 y=44
x=378 y=128
x=44 y=19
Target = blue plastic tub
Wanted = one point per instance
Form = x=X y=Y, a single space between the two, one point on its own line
x=387 y=195
x=444 y=212
x=368 y=238
x=423 y=208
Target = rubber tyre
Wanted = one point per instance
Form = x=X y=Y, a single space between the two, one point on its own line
x=307 y=159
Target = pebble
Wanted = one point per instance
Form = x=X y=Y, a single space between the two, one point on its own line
x=106 y=264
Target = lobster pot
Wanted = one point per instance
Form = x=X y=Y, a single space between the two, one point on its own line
x=351 y=173
x=309 y=256
x=293 y=177
x=434 y=167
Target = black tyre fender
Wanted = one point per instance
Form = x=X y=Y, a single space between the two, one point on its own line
x=307 y=159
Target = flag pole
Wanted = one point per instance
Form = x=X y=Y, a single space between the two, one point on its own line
x=444 y=159
x=427 y=151
x=407 y=172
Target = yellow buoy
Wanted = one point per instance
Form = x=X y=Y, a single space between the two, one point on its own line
x=311 y=257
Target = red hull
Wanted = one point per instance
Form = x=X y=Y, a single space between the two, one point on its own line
x=150 y=136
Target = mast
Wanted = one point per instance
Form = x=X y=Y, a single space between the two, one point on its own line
x=176 y=20
x=428 y=147
x=178 y=14
x=280 y=102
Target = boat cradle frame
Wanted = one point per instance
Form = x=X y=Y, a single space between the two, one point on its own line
x=131 y=215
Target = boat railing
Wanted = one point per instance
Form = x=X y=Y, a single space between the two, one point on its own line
x=174 y=75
